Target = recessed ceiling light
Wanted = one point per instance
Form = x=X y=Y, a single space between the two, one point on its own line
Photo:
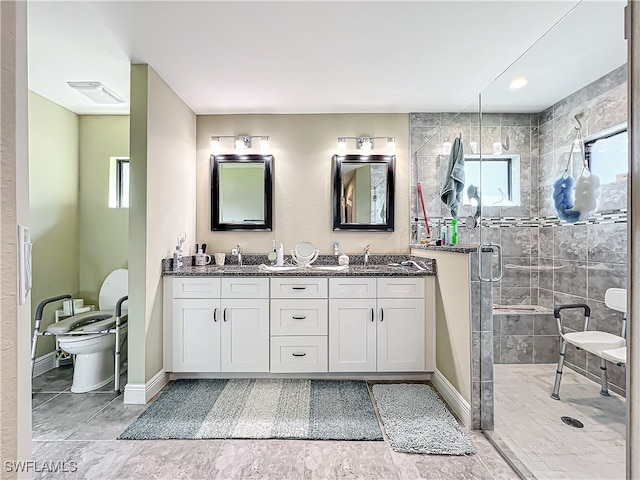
x=96 y=92
x=518 y=83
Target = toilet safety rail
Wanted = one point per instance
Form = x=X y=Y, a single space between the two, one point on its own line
x=114 y=330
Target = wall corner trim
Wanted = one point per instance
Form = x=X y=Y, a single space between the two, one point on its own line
x=141 y=393
x=456 y=401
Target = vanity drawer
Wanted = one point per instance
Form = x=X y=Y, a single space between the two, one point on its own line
x=355 y=287
x=400 y=287
x=299 y=317
x=297 y=287
x=196 y=287
x=299 y=354
x=245 y=287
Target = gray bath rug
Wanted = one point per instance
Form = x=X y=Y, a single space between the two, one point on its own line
x=263 y=408
x=417 y=421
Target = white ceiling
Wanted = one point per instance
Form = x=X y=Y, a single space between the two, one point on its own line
x=327 y=56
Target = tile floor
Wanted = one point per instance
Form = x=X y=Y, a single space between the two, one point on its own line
x=83 y=429
x=528 y=422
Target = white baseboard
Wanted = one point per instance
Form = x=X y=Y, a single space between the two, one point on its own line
x=310 y=376
x=141 y=393
x=456 y=401
x=44 y=363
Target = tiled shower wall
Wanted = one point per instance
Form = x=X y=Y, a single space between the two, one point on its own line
x=580 y=261
x=546 y=262
x=520 y=243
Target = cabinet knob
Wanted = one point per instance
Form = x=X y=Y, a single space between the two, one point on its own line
x=215 y=314
x=298 y=318
x=381 y=315
x=298 y=288
x=298 y=354
x=224 y=315
x=372 y=314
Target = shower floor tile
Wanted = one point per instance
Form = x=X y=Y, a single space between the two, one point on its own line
x=528 y=422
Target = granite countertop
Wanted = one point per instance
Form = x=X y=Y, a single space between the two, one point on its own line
x=378 y=267
x=466 y=248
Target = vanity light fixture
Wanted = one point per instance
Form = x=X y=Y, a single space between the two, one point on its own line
x=241 y=142
x=366 y=144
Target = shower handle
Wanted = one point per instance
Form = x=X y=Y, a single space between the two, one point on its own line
x=493 y=248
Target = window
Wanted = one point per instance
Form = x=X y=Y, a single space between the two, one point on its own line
x=607 y=155
x=119 y=169
x=500 y=179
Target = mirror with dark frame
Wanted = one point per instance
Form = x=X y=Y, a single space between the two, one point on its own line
x=363 y=192
x=241 y=191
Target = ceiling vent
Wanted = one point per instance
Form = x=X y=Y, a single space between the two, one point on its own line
x=97 y=92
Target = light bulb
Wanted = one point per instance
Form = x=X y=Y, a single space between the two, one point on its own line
x=240 y=145
x=391 y=145
x=264 y=144
x=366 y=145
x=215 y=145
x=342 y=146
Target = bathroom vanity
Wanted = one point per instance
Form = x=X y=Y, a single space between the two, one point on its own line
x=233 y=320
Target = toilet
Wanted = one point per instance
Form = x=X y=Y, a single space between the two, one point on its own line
x=94 y=354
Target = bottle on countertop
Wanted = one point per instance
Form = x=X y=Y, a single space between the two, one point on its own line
x=415 y=231
x=454 y=231
x=335 y=249
x=177 y=258
x=280 y=256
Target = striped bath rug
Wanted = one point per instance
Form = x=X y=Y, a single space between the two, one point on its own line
x=259 y=408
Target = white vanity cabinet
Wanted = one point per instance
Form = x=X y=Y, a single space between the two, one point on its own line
x=299 y=325
x=352 y=324
x=195 y=326
x=377 y=324
x=245 y=324
x=296 y=325
x=217 y=325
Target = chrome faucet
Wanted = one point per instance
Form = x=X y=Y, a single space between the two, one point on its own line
x=238 y=251
x=366 y=255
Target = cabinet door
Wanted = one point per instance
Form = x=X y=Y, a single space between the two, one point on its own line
x=196 y=335
x=245 y=335
x=401 y=335
x=352 y=335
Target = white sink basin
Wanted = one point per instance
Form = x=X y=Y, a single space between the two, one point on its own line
x=275 y=268
x=330 y=268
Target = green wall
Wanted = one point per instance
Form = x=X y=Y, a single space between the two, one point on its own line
x=77 y=239
x=104 y=231
x=53 y=199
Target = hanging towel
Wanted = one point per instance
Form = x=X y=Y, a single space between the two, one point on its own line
x=451 y=192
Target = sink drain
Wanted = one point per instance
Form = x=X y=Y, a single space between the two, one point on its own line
x=572 y=422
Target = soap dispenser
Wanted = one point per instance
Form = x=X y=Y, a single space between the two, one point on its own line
x=343 y=260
